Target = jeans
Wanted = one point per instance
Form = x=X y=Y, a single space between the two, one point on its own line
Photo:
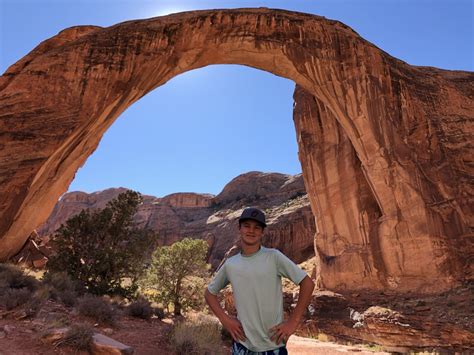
x=239 y=349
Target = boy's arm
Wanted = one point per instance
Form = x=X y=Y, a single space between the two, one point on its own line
x=232 y=325
x=284 y=330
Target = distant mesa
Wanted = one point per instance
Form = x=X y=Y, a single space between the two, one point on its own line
x=291 y=225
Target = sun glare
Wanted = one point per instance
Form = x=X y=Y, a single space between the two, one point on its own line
x=167 y=11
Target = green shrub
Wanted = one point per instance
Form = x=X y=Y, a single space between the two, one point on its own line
x=140 y=309
x=198 y=336
x=96 y=308
x=78 y=337
x=176 y=274
x=102 y=248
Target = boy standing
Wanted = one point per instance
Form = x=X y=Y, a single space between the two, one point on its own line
x=255 y=275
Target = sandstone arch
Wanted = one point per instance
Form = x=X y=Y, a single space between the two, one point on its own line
x=384 y=146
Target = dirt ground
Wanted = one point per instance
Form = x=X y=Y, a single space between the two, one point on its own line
x=23 y=337
x=147 y=337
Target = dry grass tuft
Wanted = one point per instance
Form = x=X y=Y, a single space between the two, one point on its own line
x=200 y=335
x=78 y=337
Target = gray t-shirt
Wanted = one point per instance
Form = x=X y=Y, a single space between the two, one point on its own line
x=258 y=296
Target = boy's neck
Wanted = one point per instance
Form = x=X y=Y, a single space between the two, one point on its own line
x=250 y=249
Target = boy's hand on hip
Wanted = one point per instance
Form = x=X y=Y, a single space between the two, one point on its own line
x=283 y=331
x=234 y=327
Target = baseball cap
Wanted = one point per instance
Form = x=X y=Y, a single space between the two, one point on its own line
x=253 y=213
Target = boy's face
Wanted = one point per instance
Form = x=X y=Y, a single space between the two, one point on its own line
x=251 y=232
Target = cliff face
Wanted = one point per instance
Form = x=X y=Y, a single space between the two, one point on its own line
x=386 y=148
x=291 y=226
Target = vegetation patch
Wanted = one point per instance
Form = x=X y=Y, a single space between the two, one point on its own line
x=177 y=275
x=60 y=287
x=12 y=276
x=102 y=248
x=140 y=309
x=11 y=298
x=78 y=337
x=159 y=312
x=16 y=288
x=96 y=308
x=201 y=335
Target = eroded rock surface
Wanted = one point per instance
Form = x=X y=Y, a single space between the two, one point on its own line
x=385 y=147
x=439 y=324
x=291 y=225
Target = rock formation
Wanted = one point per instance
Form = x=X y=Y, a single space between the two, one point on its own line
x=436 y=324
x=35 y=252
x=291 y=226
x=385 y=147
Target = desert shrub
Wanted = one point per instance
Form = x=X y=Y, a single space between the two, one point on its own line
x=159 y=312
x=176 y=274
x=68 y=298
x=197 y=336
x=14 y=297
x=102 y=248
x=62 y=288
x=33 y=306
x=12 y=276
x=43 y=292
x=18 y=289
x=140 y=308
x=61 y=281
x=78 y=337
x=96 y=308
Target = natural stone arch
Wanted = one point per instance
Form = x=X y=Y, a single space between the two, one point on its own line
x=57 y=102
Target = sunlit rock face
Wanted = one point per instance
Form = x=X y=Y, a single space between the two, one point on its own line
x=291 y=225
x=397 y=135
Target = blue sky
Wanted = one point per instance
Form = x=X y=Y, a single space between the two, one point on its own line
x=207 y=126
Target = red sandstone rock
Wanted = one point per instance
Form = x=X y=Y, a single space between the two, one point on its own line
x=385 y=147
x=100 y=345
x=34 y=253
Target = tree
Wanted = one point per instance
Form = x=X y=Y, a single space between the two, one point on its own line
x=103 y=247
x=176 y=274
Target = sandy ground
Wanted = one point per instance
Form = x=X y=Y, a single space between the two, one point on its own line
x=305 y=346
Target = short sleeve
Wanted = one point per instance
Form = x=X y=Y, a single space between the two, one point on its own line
x=219 y=281
x=289 y=269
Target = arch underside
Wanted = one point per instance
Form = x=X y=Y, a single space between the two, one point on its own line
x=384 y=146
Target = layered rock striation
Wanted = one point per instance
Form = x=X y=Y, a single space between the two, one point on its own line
x=385 y=147
x=291 y=225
